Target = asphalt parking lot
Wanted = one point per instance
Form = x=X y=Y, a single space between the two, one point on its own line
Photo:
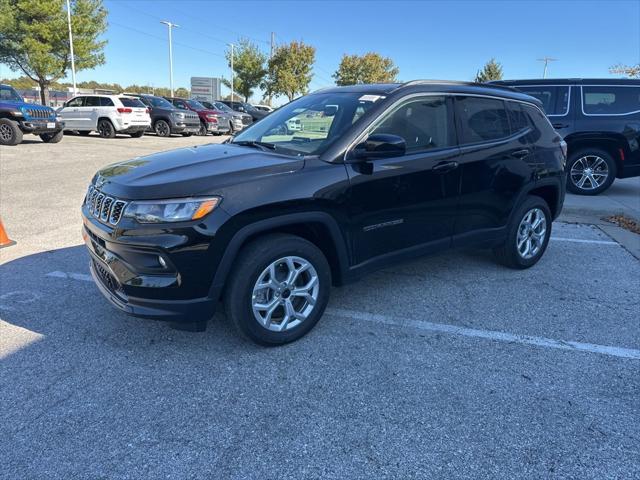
x=445 y=367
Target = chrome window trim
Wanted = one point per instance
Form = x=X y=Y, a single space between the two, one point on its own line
x=382 y=115
x=605 y=114
x=552 y=85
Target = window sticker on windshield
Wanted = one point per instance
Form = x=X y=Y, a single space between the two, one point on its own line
x=370 y=98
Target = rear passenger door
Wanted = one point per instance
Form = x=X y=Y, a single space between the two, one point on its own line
x=495 y=165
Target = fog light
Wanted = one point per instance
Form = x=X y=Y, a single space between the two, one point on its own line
x=162 y=263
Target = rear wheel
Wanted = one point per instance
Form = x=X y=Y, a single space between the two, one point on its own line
x=162 y=128
x=52 y=137
x=10 y=133
x=137 y=134
x=527 y=235
x=278 y=289
x=591 y=171
x=105 y=129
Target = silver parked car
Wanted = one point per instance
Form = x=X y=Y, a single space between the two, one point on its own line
x=239 y=120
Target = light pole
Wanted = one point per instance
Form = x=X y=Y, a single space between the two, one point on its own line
x=231 y=45
x=546 y=61
x=171 y=26
x=73 y=62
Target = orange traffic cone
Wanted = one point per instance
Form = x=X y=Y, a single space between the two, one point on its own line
x=5 y=241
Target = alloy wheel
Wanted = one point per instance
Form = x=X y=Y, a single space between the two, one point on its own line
x=162 y=129
x=104 y=129
x=589 y=172
x=285 y=294
x=531 y=233
x=6 y=133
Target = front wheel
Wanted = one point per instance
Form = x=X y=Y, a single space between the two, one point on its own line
x=591 y=171
x=278 y=289
x=10 y=133
x=527 y=235
x=52 y=137
x=162 y=128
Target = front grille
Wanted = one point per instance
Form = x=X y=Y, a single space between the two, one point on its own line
x=103 y=207
x=107 y=279
x=38 y=112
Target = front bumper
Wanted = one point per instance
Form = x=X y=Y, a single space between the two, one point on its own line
x=125 y=267
x=181 y=127
x=217 y=128
x=41 y=126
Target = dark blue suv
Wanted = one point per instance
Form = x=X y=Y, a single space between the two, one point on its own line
x=18 y=117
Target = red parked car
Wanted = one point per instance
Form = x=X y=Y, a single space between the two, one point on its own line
x=211 y=121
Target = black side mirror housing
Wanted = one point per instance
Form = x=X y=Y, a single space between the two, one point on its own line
x=379 y=145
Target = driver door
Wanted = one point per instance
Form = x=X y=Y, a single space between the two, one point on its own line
x=408 y=203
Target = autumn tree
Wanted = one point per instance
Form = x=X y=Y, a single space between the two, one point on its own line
x=368 y=68
x=492 y=70
x=34 y=38
x=290 y=70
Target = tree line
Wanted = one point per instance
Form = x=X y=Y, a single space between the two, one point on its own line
x=34 y=40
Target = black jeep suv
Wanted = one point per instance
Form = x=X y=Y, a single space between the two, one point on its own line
x=600 y=121
x=269 y=221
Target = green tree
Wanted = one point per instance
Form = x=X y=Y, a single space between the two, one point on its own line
x=248 y=67
x=368 y=68
x=631 y=71
x=492 y=71
x=34 y=38
x=290 y=70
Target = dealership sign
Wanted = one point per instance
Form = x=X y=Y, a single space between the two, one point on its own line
x=205 y=88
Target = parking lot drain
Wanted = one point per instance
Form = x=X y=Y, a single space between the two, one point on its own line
x=488 y=334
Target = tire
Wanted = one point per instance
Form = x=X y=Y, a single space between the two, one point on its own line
x=162 y=128
x=594 y=160
x=52 y=137
x=203 y=130
x=509 y=254
x=253 y=264
x=10 y=133
x=187 y=134
x=137 y=134
x=84 y=133
x=105 y=128
x=231 y=130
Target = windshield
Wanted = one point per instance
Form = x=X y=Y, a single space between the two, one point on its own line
x=9 y=94
x=249 y=108
x=195 y=105
x=159 y=102
x=309 y=125
x=223 y=107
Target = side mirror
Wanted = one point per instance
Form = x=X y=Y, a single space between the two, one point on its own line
x=380 y=145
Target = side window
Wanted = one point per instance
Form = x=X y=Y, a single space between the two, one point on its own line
x=106 y=102
x=539 y=123
x=482 y=119
x=180 y=105
x=92 y=102
x=75 y=102
x=555 y=99
x=517 y=118
x=423 y=123
x=610 y=100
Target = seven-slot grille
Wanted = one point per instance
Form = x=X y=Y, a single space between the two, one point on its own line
x=103 y=207
x=38 y=113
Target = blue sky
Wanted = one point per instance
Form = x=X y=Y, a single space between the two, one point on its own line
x=426 y=39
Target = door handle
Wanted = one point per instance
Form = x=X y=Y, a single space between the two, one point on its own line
x=559 y=125
x=521 y=153
x=94 y=109
x=445 y=167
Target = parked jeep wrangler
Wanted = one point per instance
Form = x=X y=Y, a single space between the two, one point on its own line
x=18 y=117
x=600 y=121
x=269 y=221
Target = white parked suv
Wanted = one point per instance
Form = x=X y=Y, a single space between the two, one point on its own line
x=106 y=114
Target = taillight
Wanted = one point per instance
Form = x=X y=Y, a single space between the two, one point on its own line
x=124 y=110
x=621 y=154
x=146 y=110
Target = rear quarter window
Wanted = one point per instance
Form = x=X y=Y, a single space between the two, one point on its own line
x=106 y=102
x=131 y=102
x=555 y=99
x=610 y=100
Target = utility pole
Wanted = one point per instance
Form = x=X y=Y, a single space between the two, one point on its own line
x=73 y=62
x=273 y=46
x=231 y=45
x=171 y=26
x=546 y=61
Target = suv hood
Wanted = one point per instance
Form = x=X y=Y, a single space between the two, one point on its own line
x=186 y=172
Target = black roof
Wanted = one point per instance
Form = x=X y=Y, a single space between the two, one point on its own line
x=443 y=86
x=569 y=81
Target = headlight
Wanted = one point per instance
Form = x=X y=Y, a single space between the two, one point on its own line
x=161 y=211
x=178 y=114
x=211 y=115
x=16 y=113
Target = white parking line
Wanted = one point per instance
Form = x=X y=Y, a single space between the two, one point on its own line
x=74 y=276
x=578 y=240
x=487 y=334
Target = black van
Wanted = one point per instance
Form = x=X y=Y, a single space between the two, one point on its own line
x=600 y=121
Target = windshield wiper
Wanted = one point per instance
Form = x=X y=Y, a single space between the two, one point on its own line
x=255 y=143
